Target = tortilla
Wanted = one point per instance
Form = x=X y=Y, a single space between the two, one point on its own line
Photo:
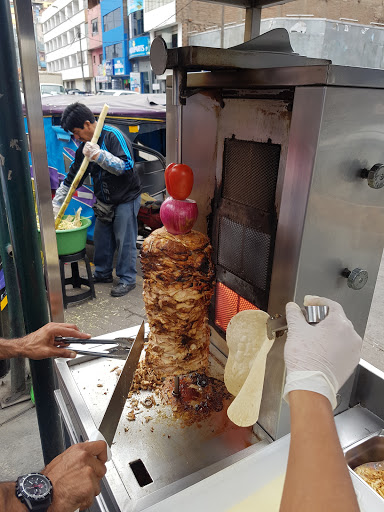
x=246 y=333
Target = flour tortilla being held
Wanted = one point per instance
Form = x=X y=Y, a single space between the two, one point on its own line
x=246 y=334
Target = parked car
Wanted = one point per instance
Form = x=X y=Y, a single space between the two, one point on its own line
x=74 y=91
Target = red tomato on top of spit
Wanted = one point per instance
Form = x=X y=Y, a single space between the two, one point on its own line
x=179 y=180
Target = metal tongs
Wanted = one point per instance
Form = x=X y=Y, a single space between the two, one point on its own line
x=119 y=350
x=313 y=314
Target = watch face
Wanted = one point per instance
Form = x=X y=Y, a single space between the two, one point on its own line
x=35 y=486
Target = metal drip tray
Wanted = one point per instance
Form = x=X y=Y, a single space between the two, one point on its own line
x=159 y=452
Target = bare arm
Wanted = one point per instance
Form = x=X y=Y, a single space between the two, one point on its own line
x=319 y=359
x=317 y=475
x=41 y=343
x=75 y=475
x=8 y=500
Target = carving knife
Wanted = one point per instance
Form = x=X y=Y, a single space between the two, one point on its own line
x=115 y=407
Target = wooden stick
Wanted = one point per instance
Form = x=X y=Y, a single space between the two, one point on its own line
x=83 y=167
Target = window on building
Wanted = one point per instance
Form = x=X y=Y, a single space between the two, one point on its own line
x=150 y=5
x=112 y=20
x=136 y=23
x=95 y=26
x=93 y=3
x=100 y=58
x=75 y=6
x=68 y=11
x=169 y=35
x=114 y=51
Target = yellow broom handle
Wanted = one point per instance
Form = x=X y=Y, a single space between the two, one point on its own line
x=83 y=167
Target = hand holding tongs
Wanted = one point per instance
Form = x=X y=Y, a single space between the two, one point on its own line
x=119 y=350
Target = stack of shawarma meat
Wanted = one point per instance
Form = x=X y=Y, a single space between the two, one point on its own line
x=178 y=285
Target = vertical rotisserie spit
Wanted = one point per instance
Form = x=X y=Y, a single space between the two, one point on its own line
x=178 y=285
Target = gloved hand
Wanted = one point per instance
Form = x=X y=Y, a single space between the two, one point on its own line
x=58 y=200
x=320 y=357
x=91 y=150
x=56 y=209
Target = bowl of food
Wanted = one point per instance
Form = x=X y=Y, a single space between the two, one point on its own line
x=71 y=234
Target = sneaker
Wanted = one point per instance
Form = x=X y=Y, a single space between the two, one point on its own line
x=122 y=289
x=100 y=279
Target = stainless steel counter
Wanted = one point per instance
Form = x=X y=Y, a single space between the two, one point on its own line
x=190 y=466
x=174 y=454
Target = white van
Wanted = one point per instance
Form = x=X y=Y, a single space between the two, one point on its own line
x=51 y=90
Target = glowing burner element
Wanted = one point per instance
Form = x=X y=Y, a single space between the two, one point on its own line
x=228 y=304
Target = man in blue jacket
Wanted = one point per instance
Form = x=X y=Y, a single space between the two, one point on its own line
x=117 y=189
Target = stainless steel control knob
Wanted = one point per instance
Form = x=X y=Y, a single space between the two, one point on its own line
x=375 y=176
x=356 y=278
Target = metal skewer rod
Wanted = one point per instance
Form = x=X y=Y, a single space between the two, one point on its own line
x=176 y=389
x=177 y=83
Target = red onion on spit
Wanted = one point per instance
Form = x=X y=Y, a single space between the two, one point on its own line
x=178 y=216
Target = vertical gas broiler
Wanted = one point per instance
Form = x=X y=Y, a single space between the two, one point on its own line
x=289 y=169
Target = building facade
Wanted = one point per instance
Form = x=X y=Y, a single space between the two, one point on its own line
x=139 y=48
x=95 y=42
x=114 y=23
x=38 y=7
x=365 y=12
x=65 y=30
x=176 y=20
x=347 y=33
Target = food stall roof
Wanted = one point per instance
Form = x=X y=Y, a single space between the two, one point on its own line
x=140 y=105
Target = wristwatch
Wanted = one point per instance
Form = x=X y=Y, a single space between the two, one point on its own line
x=34 y=491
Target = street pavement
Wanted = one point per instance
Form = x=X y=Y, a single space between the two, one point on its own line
x=19 y=437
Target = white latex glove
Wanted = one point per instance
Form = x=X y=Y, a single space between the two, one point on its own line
x=91 y=150
x=320 y=357
x=56 y=209
x=58 y=200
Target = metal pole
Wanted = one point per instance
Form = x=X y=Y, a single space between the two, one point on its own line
x=16 y=189
x=15 y=311
x=34 y=113
x=81 y=60
x=177 y=81
x=252 y=23
x=222 y=26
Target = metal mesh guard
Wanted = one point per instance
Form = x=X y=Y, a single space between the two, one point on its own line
x=244 y=251
x=250 y=173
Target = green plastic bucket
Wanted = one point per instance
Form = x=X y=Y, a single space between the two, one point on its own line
x=70 y=241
